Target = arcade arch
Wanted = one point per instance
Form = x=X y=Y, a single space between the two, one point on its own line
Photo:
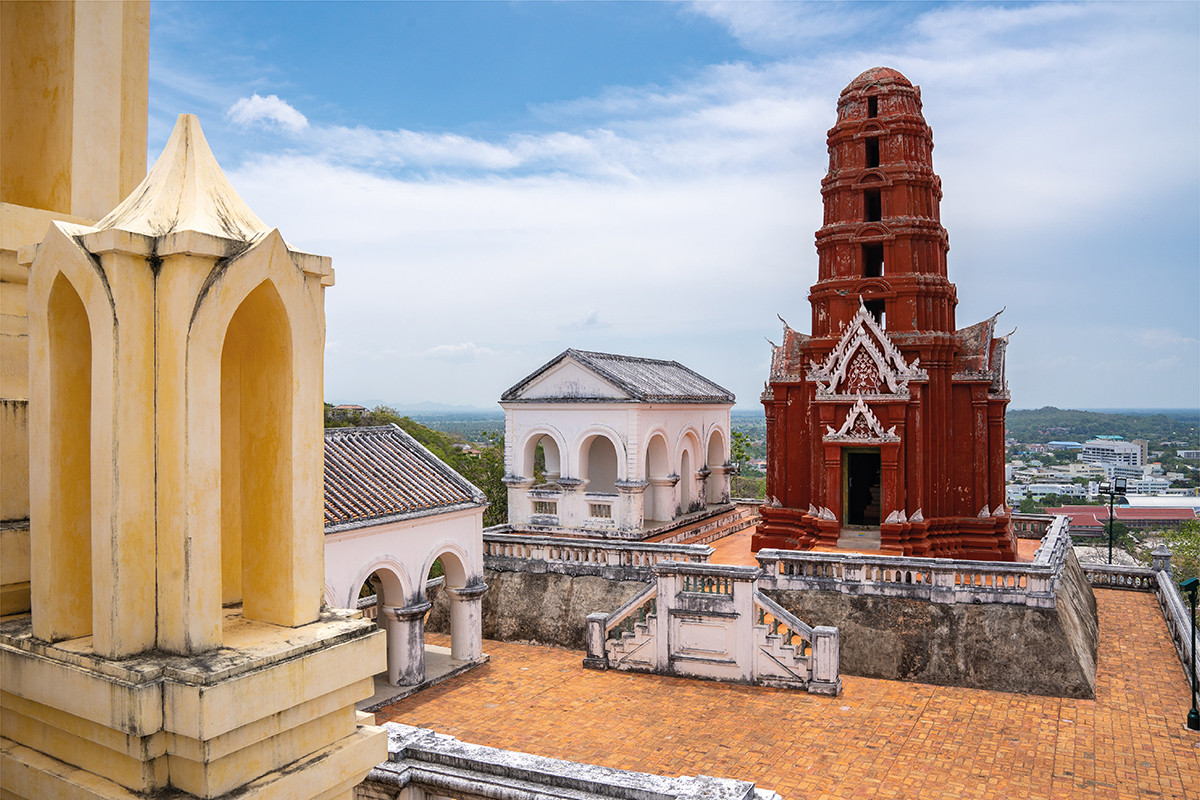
x=600 y=464
x=551 y=457
x=658 y=505
x=715 y=483
x=689 y=450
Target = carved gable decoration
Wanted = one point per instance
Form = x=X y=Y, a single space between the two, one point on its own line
x=861 y=427
x=980 y=355
x=864 y=363
x=787 y=359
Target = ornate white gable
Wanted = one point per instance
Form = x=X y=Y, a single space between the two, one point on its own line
x=861 y=426
x=864 y=363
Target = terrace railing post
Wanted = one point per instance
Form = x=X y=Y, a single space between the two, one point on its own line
x=597 y=656
x=826 y=654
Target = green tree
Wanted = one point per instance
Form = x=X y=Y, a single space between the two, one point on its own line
x=1184 y=542
x=739 y=448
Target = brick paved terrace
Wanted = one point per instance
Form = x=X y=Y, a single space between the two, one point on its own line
x=879 y=739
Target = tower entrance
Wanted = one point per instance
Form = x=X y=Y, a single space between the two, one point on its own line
x=861 y=473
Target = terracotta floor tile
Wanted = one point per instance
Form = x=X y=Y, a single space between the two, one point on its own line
x=879 y=739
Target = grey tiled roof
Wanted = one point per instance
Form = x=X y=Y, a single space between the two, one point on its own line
x=381 y=473
x=649 y=380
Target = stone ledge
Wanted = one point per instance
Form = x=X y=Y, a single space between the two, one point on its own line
x=422 y=758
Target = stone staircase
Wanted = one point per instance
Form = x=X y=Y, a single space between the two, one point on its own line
x=710 y=527
x=633 y=647
x=778 y=643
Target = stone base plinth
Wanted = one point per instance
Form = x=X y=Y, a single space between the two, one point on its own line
x=270 y=715
x=987 y=538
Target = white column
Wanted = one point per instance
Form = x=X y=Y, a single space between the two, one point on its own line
x=466 y=621
x=406 y=643
x=665 y=499
x=629 y=514
x=719 y=491
x=702 y=485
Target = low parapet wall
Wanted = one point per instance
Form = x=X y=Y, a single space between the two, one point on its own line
x=542 y=588
x=1156 y=578
x=423 y=764
x=1014 y=627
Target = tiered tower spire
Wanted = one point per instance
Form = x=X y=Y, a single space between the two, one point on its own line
x=886 y=422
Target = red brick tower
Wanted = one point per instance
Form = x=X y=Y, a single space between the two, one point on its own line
x=886 y=419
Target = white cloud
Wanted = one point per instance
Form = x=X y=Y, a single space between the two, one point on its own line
x=466 y=351
x=780 y=27
x=1159 y=338
x=590 y=322
x=675 y=221
x=269 y=109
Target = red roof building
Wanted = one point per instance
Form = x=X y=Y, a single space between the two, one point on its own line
x=887 y=418
x=1094 y=519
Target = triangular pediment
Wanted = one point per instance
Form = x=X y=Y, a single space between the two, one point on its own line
x=864 y=363
x=568 y=379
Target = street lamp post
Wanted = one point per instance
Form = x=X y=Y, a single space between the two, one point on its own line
x=1117 y=485
x=1193 y=718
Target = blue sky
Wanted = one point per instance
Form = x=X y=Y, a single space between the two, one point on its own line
x=497 y=182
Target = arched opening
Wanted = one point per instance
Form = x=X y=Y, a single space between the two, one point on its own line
x=466 y=630
x=386 y=589
x=717 y=483
x=542 y=460
x=601 y=465
x=686 y=478
x=69 y=521
x=256 y=458
x=657 y=506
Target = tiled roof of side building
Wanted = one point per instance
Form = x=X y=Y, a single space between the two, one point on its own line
x=380 y=474
x=649 y=380
x=1084 y=516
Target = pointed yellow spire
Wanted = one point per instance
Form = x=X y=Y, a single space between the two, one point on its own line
x=186 y=190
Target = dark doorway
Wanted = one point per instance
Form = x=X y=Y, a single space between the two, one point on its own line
x=862 y=470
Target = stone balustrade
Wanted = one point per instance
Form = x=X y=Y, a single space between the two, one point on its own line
x=1031 y=526
x=1156 y=578
x=937 y=580
x=1177 y=612
x=614 y=560
x=1119 y=576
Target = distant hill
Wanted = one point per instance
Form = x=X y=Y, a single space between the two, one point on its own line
x=1049 y=423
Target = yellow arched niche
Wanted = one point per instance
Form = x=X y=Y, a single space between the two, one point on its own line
x=63 y=606
x=256 y=456
x=254 y=369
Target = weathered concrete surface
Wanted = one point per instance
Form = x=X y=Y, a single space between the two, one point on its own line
x=1008 y=648
x=546 y=608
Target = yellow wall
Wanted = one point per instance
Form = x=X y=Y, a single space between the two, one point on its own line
x=69 y=527
x=171 y=419
x=73 y=103
x=37 y=43
x=74 y=80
